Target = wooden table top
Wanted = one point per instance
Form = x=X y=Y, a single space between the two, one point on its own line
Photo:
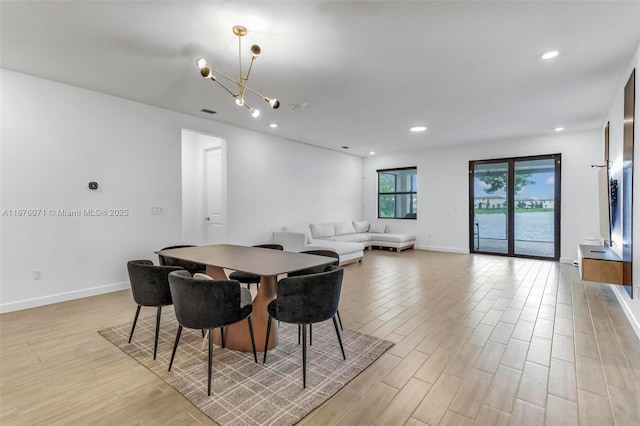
x=255 y=260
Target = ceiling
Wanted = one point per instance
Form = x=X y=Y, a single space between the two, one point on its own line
x=356 y=73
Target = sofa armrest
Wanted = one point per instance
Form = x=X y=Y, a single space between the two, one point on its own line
x=290 y=241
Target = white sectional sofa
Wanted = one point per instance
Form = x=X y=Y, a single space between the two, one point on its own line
x=347 y=238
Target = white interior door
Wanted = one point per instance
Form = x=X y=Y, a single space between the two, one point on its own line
x=214 y=215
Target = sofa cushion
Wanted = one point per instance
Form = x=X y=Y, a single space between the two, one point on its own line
x=302 y=229
x=392 y=238
x=340 y=247
x=361 y=226
x=350 y=238
x=322 y=230
x=344 y=228
x=378 y=228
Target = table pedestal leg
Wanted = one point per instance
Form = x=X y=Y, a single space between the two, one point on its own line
x=237 y=336
x=216 y=272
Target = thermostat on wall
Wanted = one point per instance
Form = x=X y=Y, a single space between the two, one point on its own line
x=93 y=185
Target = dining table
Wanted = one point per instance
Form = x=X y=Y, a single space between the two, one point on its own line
x=268 y=264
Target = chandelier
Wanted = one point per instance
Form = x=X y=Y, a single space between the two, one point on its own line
x=207 y=71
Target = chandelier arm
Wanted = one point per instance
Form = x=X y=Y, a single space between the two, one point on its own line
x=239 y=82
x=256 y=93
x=224 y=76
x=225 y=88
x=246 y=79
x=251 y=109
x=241 y=86
x=239 y=64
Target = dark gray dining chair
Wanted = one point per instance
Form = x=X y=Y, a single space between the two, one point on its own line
x=248 y=278
x=306 y=300
x=192 y=267
x=204 y=304
x=150 y=287
x=315 y=270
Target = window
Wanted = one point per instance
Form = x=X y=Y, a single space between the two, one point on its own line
x=398 y=193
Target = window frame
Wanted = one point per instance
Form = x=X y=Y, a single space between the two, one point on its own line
x=413 y=193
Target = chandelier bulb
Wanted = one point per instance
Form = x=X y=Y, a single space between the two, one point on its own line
x=206 y=72
x=274 y=103
x=255 y=113
x=255 y=50
x=239 y=101
x=201 y=63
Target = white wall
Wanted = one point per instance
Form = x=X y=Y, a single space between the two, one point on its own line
x=56 y=138
x=615 y=117
x=285 y=183
x=443 y=185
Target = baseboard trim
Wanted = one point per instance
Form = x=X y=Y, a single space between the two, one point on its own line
x=444 y=249
x=635 y=322
x=567 y=260
x=62 y=297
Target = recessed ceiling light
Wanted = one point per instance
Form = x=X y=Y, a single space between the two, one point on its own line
x=559 y=129
x=372 y=153
x=273 y=125
x=418 y=128
x=550 y=55
x=345 y=147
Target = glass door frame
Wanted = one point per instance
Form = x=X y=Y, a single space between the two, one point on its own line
x=511 y=204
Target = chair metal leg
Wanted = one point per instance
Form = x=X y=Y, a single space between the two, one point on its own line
x=253 y=341
x=335 y=324
x=221 y=336
x=175 y=346
x=339 y=320
x=210 y=362
x=299 y=333
x=304 y=356
x=266 y=342
x=310 y=334
x=205 y=339
x=155 y=343
x=203 y=333
x=135 y=320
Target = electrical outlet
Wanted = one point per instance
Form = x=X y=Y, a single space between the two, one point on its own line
x=157 y=211
x=37 y=274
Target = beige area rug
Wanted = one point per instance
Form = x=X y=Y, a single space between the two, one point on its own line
x=243 y=392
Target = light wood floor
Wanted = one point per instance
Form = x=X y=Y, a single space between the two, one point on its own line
x=478 y=340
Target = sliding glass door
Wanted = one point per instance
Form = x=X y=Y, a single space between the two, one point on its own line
x=490 y=224
x=514 y=206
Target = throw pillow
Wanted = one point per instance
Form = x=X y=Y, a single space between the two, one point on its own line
x=361 y=226
x=343 y=228
x=322 y=230
x=378 y=228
